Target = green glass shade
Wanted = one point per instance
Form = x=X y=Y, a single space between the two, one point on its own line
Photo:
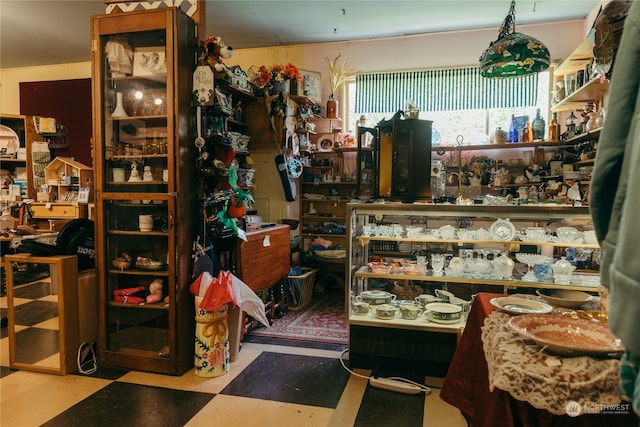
x=514 y=55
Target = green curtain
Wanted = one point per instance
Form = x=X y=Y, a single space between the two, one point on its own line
x=442 y=90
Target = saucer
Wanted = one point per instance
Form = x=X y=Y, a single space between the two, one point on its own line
x=445 y=322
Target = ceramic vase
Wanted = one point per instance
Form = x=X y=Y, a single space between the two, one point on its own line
x=119 y=111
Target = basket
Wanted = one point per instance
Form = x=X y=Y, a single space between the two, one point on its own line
x=300 y=289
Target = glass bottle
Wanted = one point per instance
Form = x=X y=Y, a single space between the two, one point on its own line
x=554 y=128
x=527 y=132
x=573 y=124
x=538 y=126
x=332 y=107
x=513 y=131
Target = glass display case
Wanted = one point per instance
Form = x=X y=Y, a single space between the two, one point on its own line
x=408 y=251
x=145 y=185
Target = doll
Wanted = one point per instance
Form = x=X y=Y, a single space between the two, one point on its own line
x=135 y=173
x=155 y=292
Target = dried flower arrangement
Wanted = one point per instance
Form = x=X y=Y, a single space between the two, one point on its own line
x=337 y=74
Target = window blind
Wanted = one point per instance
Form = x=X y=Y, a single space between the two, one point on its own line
x=442 y=90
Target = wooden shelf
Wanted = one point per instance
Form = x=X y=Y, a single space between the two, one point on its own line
x=594 y=90
x=577 y=60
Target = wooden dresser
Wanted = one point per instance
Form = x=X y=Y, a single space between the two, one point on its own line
x=264 y=260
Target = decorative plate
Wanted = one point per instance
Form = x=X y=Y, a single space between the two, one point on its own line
x=325 y=144
x=502 y=229
x=567 y=336
x=515 y=305
x=565 y=298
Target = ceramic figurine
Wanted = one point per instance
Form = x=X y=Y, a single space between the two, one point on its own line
x=135 y=173
x=147 y=175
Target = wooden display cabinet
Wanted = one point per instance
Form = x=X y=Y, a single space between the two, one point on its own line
x=151 y=144
x=24 y=128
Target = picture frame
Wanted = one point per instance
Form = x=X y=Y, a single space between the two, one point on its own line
x=223 y=102
x=83 y=195
x=149 y=61
x=309 y=86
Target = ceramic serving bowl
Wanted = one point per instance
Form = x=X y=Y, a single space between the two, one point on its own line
x=380 y=267
x=376 y=297
x=440 y=311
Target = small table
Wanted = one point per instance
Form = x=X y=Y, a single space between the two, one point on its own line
x=466 y=386
x=333 y=267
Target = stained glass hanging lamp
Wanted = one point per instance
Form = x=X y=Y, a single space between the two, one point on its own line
x=513 y=54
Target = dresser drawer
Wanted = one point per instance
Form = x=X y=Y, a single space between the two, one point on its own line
x=58 y=210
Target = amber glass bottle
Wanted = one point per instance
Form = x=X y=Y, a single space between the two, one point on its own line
x=527 y=133
x=332 y=107
x=554 y=128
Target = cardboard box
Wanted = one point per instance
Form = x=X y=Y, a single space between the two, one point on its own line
x=44 y=197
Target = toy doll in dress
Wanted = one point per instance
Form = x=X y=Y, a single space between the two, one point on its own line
x=135 y=172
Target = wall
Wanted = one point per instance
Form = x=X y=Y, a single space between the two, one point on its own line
x=404 y=53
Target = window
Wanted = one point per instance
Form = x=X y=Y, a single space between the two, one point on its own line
x=456 y=101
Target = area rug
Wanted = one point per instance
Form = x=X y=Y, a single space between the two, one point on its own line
x=322 y=321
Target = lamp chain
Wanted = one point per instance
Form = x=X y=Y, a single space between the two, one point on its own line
x=509 y=24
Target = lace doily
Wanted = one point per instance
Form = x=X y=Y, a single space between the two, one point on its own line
x=546 y=381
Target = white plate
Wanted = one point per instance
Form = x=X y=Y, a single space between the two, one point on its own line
x=502 y=229
x=566 y=336
x=515 y=305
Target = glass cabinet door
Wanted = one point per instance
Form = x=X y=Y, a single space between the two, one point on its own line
x=136 y=134
x=145 y=162
x=137 y=245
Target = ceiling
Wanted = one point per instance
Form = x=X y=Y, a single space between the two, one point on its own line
x=43 y=32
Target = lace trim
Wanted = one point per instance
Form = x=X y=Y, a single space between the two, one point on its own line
x=548 y=382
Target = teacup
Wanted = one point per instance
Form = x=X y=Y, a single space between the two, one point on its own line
x=410 y=312
x=444 y=296
x=464 y=304
x=385 y=311
x=361 y=308
x=425 y=299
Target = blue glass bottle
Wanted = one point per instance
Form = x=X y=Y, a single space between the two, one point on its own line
x=513 y=131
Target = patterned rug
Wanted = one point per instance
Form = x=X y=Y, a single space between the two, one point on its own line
x=322 y=321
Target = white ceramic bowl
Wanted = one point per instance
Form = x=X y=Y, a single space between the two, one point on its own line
x=443 y=311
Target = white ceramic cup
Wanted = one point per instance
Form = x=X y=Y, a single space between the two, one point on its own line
x=165 y=175
x=145 y=222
